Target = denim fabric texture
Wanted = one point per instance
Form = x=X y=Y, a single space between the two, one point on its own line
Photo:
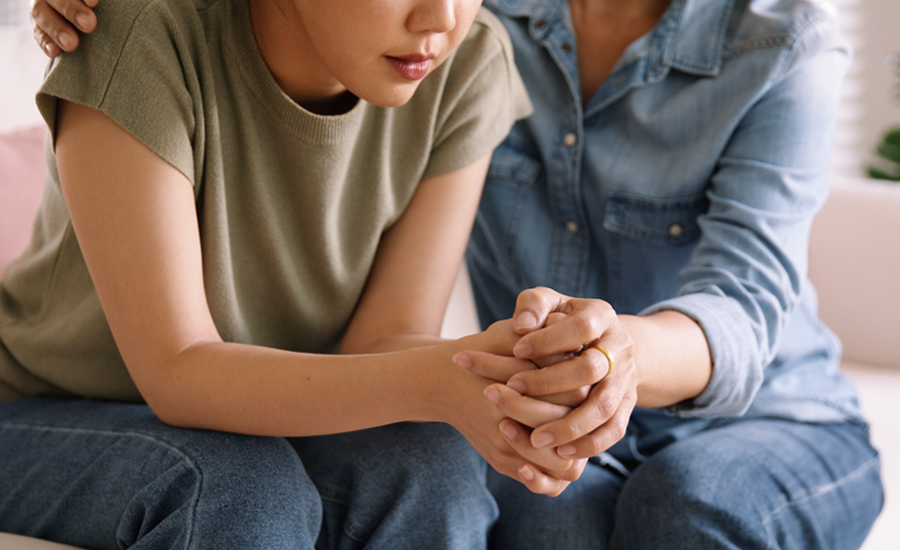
x=105 y=475
x=757 y=483
x=688 y=182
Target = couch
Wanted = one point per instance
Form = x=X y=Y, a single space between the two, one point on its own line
x=854 y=263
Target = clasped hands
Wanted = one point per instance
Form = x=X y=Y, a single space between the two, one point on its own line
x=562 y=404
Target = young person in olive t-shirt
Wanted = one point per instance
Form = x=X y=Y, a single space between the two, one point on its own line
x=237 y=189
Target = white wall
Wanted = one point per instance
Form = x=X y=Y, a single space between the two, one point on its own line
x=21 y=69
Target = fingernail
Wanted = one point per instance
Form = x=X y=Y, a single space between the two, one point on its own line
x=566 y=450
x=523 y=350
x=526 y=472
x=526 y=319
x=462 y=359
x=66 y=40
x=82 y=21
x=543 y=439
x=517 y=385
x=492 y=394
x=508 y=429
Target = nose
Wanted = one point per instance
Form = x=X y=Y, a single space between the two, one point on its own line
x=435 y=16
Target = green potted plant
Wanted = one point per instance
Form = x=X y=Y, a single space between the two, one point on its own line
x=889 y=149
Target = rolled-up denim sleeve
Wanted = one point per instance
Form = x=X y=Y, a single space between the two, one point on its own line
x=746 y=275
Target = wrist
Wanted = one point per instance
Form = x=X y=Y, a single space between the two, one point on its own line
x=434 y=386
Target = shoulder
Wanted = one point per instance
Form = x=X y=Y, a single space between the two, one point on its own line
x=139 y=67
x=154 y=26
x=149 y=32
x=481 y=70
x=475 y=96
x=118 y=16
x=487 y=42
x=757 y=24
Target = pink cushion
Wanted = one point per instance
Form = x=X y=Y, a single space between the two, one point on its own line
x=22 y=172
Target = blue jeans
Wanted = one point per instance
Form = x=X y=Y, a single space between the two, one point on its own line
x=110 y=475
x=746 y=484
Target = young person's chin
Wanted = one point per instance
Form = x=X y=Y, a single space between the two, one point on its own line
x=391 y=96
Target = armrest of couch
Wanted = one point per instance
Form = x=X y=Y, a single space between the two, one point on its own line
x=854 y=264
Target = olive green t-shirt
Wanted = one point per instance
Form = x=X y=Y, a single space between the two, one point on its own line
x=291 y=205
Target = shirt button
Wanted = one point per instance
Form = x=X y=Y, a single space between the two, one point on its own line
x=572 y=226
x=566 y=47
x=676 y=230
x=659 y=67
x=540 y=23
x=619 y=79
x=570 y=139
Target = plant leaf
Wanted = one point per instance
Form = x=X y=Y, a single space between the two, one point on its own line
x=877 y=174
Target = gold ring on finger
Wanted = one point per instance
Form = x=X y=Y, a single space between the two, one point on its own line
x=609 y=358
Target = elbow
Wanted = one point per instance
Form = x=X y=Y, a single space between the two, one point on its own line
x=165 y=386
x=163 y=401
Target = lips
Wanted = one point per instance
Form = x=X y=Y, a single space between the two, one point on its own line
x=411 y=67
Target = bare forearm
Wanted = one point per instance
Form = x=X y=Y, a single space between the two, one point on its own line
x=394 y=342
x=262 y=391
x=672 y=357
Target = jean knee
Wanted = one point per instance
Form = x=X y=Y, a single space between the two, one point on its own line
x=413 y=485
x=224 y=491
x=108 y=475
x=685 y=500
x=753 y=484
x=428 y=457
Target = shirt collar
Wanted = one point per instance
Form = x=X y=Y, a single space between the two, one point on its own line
x=699 y=36
x=690 y=36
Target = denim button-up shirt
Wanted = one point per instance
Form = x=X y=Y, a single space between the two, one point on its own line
x=688 y=182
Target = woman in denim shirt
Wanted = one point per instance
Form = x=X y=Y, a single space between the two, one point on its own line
x=668 y=179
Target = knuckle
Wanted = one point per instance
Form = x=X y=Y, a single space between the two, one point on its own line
x=585 y=325
x=617 y=428
x=38 y=19
x=581 y=394
x=620 y=426
x=567 y=431
x=67 y=9
x=530 y=294
x=570 y=474
x=605 y=308
x=44 y=42
x=535 y=383
x=593 y=366
x=605 y=405
x=558 y=489
x=595 y=444
x=537 y=295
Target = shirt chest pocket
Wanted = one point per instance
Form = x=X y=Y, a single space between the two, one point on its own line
x=648 y=241
x=669 y=221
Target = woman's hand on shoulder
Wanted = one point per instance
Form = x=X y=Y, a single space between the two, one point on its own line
x=56 y=23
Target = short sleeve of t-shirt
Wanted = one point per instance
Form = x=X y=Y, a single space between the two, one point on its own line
x=483 y=95
x=139 y=69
